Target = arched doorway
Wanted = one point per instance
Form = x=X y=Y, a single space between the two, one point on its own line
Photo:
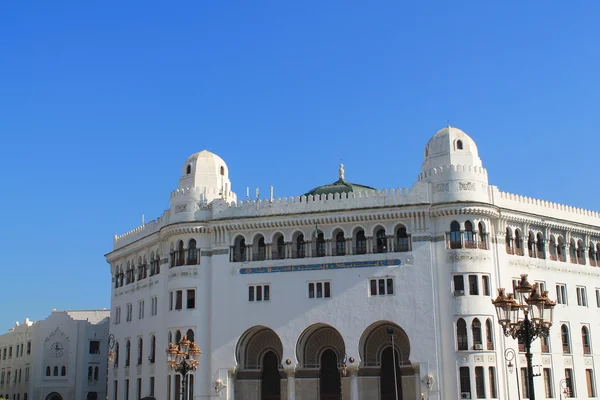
x=270 y=379
x=258 y=354
x=391 y=380
x=54 y=396
x=385 y=351
x=330 y=384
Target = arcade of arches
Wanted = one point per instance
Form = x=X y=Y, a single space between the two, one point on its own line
x=324 y=370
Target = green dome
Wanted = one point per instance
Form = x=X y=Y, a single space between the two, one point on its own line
x=340 y=186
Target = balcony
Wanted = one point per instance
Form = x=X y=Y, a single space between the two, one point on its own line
x=361 y=249
x=300 y=253
x=379 y=249
x=319 y=252
x=278 y=255
x=338 y=251
x=586 y=349
x=541 y=254
x=260 y=255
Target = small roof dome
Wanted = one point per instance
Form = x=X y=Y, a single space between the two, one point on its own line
x=340 y=186
x=204 y=162
x=451 y=146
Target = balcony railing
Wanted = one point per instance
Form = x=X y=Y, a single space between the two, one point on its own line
x=553 y=257
x=490 y=345
x=586 y=349
x=260 y=255
x=581 y=260
x=470 y=244
x=300 y=253
x=562 y=258
x=541 y=254
x=380 y=249
x=592 y=261
x=545 y=348
x=278 y=255
x=518 y=251
x=239 y=256
x=361 y=249
x=338 y=251
x=402 y=247
x=318 y=252
x=482 y=244
x=566 y=349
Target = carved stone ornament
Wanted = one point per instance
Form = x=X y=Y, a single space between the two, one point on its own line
x=441 y=187
x=470 y=186
x=180 y=208
x=428 y=381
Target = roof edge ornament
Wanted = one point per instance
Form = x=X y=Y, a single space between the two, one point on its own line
x=341 y=172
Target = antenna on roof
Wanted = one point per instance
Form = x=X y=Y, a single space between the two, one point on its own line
x=257 y=194
x=142 y=219
x=247 y=192
x=271 y=194
x=448 y=122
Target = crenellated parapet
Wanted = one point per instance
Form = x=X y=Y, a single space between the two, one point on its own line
x=141 y=231
x=515 y=202
x=446 y=171
x=418 y=194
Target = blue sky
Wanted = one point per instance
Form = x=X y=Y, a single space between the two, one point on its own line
x=101 y=103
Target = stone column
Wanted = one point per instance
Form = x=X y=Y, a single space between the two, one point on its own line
x=390 y=243
x=288 y=250
x=269 y=251
x=308 y=248
x=370 y=245
x=327 y=247
x=291 y=382
x=231 y=384
x=349 y=247
x=353 y=371
x=249 y=252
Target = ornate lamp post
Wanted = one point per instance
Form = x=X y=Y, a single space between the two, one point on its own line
x=181 y=358
x=509 y=356
x=526 y=315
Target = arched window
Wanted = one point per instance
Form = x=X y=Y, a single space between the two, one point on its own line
x=261 y=250
x=508 y=238
x=127 y=353
x=140 y=351
x=170 y=338
x=598 y=253
x=188 y=170
x=190 y=335
x=152 y=270
x=592 y=255
x=96 y=370
x=461 y=335
x=280 y=253
x=560 y=249
x=531 y=244
x=55 y=371
x=192 y=253
x=180 y=253
x=482 y=239
x=152 y=348
x=402 y=240
x=573 y=251
x=300 y=246
x=455 y=242
x=63 y=371
x=222 y=170
x=459 y=145
x=145 y=268
x=580 y=252
x=469 y=238
x=552 y=248
x=541 y=251
x=178 y=337
x=585 y=340
x=340 y=244
x=489 y=334
x=518 y=243
x=381 y=241
x=361 y=243
x=116 y=363
x=238 y=253
x=566 y=341
x=320 y=245
x=90 y=373
x=48 y=373
x=476 y=328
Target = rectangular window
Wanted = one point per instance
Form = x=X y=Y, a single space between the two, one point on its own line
x=561 y=293
x=116 y=390
x=598 y=298
x=548 y=383
x=191 y=299
x=479 y=383
x=141 y=309
x=515 y=283
x=473 y=286
x=139 y=389
x=10 y=352
x=541 y=286
x=170 y=301
x=465 y=382
x=178 y=299
x=589 y=378
x=29 y=348
x=154 y=306
x=524 y=384
x=569 y=382
x=581 y=296
x=459 y=284
x=319 y=290
x=259 y=293
x=129 y=312
x=117 y=315
x=169 y=387
x=94 y=347
x=485 y=283
x=151 y=386
x=545 y=344
x=126 y=389
x=381 y=286
x=493 y=385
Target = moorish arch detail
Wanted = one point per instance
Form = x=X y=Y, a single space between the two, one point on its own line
x=376 y=338
x=254 y=344
x=314 y=341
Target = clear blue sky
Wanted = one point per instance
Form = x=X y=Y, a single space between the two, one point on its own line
x=102 y=101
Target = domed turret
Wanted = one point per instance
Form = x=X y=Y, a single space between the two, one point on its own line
x=204 y=178
x=450 y=146
x=453 y=167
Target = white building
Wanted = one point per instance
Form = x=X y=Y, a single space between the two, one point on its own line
x=281 y=294
x=62 y=357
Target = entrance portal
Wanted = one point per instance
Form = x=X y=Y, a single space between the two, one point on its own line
x=329 y=377
x=391 y=382
x=54 y=396
x=270 y=382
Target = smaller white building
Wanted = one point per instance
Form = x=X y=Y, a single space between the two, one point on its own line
x=62 y=357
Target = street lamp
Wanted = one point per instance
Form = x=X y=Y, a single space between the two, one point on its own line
x=525 y=315
x=509 y=356
x=181 y=358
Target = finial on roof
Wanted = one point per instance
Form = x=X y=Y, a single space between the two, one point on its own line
x=341 y=171
x=448 y=124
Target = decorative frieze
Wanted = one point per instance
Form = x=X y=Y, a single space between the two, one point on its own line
x=320 y=267
x=441 y=187
x=470 y=186
x=456 y=257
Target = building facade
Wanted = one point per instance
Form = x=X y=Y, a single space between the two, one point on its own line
x=63 y=357
x=348 y=292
